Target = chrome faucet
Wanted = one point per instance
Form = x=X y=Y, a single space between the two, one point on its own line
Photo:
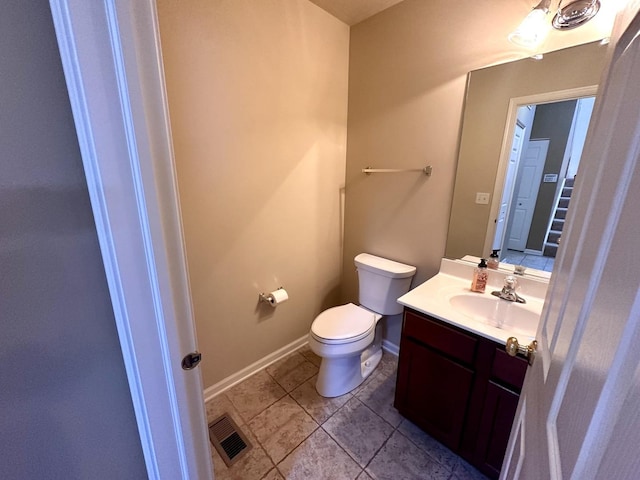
x=508 y=291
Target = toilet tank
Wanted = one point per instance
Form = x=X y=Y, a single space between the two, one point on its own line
x=382 y=282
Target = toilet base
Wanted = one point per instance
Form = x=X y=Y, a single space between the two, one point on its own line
x=338 y=376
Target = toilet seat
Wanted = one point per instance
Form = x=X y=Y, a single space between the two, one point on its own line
x=343 y=324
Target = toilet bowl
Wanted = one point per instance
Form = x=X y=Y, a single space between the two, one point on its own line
x=340 y=336
x=345 y=336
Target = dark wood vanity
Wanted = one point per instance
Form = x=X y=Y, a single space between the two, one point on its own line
x=460 y=388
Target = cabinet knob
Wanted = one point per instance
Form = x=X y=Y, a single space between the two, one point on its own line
x=512 y=347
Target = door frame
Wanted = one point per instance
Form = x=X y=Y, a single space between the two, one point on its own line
x=111 y=59
x=503 y=163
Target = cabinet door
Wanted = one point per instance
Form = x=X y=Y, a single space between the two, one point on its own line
x=433 y=392
x=497 y=417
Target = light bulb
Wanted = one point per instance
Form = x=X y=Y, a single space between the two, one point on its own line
x=533 y=29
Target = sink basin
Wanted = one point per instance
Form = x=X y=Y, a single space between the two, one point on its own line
x=447 y=297
x=485 y=308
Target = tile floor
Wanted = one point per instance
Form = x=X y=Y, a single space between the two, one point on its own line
x=539 y=262
x=297 y=434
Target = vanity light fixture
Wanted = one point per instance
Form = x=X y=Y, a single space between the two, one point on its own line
x=534 y=28
x=531 y=32
x=575 y=13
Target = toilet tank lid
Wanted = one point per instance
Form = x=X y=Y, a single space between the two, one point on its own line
x=384 y=266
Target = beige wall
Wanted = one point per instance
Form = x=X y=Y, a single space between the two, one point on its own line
x=258 y=103
x=407 y=76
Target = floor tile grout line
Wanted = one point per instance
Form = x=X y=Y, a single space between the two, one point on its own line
x=370 y=408
x=264 y=449
x=271 y=470
x=294 y=448
x=253 y=434
x=301 y=442
x=379 y=449
x=297 y=445
x=320 y=425
x=265 y=408
x=422 y=449
x=372 y=411
x=451 y=471
x=342 y=448
x=376 y=413
x=309 y=413
x=273 y=464
x=297 y=366
x=397 y=429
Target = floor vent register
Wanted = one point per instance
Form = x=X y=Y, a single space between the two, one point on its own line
x=228 y=439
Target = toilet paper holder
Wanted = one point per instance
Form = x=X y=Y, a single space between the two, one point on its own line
x=273 y=298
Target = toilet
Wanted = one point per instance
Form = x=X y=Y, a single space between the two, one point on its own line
x=345 y=336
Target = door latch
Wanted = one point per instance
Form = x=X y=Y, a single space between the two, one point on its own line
x=191 y=360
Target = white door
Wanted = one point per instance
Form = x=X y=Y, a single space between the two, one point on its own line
x=112 y=65
x=532 y=166
x=578 y=416
x=507 y=190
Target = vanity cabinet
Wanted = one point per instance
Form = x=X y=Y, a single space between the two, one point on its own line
x=460 y=388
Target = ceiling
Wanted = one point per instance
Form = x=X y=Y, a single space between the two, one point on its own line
x=501 y=15
x=354 y=11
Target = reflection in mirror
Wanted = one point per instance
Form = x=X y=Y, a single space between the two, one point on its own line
x=542 y=163
x=548 y=91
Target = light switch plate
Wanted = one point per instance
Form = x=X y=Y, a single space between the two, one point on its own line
x=482 y=198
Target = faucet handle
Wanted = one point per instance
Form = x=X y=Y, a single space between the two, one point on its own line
x=510 y=282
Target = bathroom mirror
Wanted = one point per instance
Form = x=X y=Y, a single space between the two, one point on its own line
x=490 y=122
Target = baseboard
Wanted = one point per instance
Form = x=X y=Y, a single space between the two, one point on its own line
x=252 y=369
x=264 y=362
x=391 y=348
x=529 y=251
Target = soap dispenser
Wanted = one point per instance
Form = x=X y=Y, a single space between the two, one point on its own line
x=494 y=260
x=480 y=276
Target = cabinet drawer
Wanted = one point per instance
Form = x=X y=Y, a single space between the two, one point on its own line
x=447 y=340
x=509 y=370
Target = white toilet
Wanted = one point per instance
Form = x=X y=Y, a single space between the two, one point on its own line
x=344 y=336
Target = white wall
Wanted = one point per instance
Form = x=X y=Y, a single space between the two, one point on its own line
x=65 y=407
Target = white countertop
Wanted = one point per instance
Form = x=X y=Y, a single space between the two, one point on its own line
x=434 y=298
